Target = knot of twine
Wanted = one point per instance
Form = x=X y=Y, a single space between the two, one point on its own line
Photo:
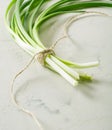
x=41 y=56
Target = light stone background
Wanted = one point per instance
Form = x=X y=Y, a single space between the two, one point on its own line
x=57 y=104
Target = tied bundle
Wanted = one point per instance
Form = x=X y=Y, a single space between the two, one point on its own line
x=24 y=18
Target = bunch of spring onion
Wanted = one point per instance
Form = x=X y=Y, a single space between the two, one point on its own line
x=24 y=19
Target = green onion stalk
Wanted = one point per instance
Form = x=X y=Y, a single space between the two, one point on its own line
x=24 y=18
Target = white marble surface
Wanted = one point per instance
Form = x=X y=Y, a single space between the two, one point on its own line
x=57 y=104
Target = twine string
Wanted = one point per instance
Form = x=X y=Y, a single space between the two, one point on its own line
x=14 y=99
x=41 y=56
x=77 y=17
